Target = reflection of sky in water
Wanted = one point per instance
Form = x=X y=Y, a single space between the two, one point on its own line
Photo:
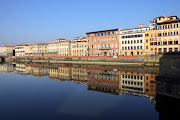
x=79 y=102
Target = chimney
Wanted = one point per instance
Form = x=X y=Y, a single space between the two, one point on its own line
x=140 y=25
x=13 y=44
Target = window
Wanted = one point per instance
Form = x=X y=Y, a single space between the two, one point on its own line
x=159 y=34
x=164 y=42
x=169 y=26
x=176 y=33
x=112 y=46
x=122 y=42
x=175 y=49
x=170 y=49
x=146 y=35
x=165 y=34
x=169 y=33
x=159 y=27
x=116 y=45
x=146 y=47
x=164 y=27
x=170 y=42
x=165 y=49
x=176 y=42
x=140 y=41
x=175 y=25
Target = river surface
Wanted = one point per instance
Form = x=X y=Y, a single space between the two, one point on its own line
x=31 y=91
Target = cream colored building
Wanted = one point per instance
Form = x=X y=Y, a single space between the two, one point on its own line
x=60 y=47
x=78 y=46
x=40 y=49
x=6 y=50
x=168 y=29
x=23 y=50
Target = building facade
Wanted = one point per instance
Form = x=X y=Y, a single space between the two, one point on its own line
x=78 y=46
x=131 y=41
x=6 y=50
x=168 y=34
x=60 y=47
x=150 y=41
x=40 y=49
x=22 y=50
x=103 y=43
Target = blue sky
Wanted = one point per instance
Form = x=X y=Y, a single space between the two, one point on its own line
x=30 y=21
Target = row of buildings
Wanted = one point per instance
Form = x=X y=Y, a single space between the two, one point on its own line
x=161 y=36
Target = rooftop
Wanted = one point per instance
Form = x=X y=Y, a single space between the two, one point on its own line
x=103 y=30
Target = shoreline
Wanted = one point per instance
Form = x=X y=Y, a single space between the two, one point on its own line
x=90 y=62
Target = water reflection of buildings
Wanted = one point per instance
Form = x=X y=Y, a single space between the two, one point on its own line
x=23 y=69
x=132 y=83
x=98 y=78
x=40 y=70
x=103 y=80
x=60 y=73
x=75 y=74
x=7 y=68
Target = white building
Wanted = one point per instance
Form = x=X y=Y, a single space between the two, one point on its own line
x=131 y=41
x=22 y=50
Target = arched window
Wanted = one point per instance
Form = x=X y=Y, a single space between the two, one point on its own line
x=170 y=33
x=176 y=41
x=170 y=42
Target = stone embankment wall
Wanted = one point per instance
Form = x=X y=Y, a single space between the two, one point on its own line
x=149 y=60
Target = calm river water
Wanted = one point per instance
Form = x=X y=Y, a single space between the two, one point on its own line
x=30 y=91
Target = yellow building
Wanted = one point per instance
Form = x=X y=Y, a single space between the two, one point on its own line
x=168 y=34
x=151 y=42
x=60 y=47
x=78 y=46
x=40 y=49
